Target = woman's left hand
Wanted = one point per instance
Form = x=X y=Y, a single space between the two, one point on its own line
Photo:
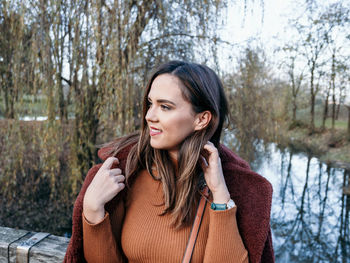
x=214 y=177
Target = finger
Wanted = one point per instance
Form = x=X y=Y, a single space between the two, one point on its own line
x=209 y=144
x=115 y=171
x=210 y=148
x=109 y=162
x=121 y=186
x=117 y=188
x=119 y=178
x=203 y=162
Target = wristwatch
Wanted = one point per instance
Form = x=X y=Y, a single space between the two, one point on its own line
x=228 y=205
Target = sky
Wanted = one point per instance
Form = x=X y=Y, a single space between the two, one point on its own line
x=266 y=25
x=263 y=24
x=266 y=21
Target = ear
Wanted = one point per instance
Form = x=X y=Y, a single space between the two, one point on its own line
x=202 y=120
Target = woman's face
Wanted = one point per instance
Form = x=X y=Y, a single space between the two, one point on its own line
x=170 y=117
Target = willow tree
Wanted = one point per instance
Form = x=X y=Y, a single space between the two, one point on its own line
x=86 y=62
x=96 y=56
x=13 y=51
x=91 y=59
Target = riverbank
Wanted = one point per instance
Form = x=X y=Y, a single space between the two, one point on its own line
x=331 y=147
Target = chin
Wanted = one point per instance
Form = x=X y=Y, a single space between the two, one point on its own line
x=156 y=146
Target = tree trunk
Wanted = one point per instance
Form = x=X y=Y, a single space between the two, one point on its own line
x=325 y=112
x=333 y=111
x=348 y=107
x=294 y=94
x=313 y=95
x=63 y=111
x=337 y=110
x=9 y=96
x=333 y=91
x=294 y=109
x=312 y=112
x=7 y=110
x=61 y=102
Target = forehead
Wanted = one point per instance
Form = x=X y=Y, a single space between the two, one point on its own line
x=167 y=86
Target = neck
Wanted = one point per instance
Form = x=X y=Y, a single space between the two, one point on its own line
x=173 y=155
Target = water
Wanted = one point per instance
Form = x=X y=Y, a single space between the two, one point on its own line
x=310 y=214
x=36 y=118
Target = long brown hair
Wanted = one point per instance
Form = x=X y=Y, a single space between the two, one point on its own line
x=204 y=90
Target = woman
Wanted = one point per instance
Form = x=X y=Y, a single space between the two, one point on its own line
x=165 y=167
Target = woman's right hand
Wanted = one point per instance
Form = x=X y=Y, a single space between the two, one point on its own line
x=106 y=184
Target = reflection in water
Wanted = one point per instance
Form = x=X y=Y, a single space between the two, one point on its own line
x=344 y=235
x=310 y=212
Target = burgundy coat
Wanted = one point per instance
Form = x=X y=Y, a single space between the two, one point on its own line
x=251 y=192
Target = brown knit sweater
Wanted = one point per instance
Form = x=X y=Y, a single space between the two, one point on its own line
x=148 y=237
x=251 y=192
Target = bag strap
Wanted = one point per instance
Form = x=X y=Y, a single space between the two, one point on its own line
x=195 y=227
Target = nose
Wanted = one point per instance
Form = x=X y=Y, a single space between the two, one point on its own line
x=151 y=115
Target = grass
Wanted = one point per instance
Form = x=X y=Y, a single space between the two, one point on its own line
x=30 y=105
x=338 y=124
x=33 y=105
x=330 y=146
x=303 y=115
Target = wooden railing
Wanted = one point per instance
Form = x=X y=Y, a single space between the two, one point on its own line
x=25 y=246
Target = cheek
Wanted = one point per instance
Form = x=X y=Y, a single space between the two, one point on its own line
x=181 y=127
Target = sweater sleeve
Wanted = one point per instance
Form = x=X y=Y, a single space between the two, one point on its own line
x=224 y=242
x=99 y=242
x=74 y=252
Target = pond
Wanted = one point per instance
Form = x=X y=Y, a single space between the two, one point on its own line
x=310 y=212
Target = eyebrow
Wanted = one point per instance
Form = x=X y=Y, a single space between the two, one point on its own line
x=163 y=101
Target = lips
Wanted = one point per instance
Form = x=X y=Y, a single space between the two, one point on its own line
x=154 y=131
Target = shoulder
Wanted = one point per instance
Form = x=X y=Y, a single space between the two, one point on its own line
x=239 y=175
x=111 y=150
x=108 y=151
x=252 y=194
x=228 y=156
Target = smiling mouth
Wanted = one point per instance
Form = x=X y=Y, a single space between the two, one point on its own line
x=153 y=131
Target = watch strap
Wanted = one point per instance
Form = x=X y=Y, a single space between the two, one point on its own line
x=219 y=207
x=215 y=206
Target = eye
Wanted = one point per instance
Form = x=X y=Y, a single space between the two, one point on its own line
x=165 y=107
x=149 y=103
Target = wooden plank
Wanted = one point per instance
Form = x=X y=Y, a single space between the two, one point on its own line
x=51 y=249
x=8 y=235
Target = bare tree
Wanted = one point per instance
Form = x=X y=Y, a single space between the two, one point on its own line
x=316 y=34
x=250 y=90
x=295 y=78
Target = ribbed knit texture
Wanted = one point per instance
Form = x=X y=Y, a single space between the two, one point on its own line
x=148 y=237
x=251 y=192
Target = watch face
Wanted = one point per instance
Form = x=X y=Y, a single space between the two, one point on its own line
x=230 y=204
